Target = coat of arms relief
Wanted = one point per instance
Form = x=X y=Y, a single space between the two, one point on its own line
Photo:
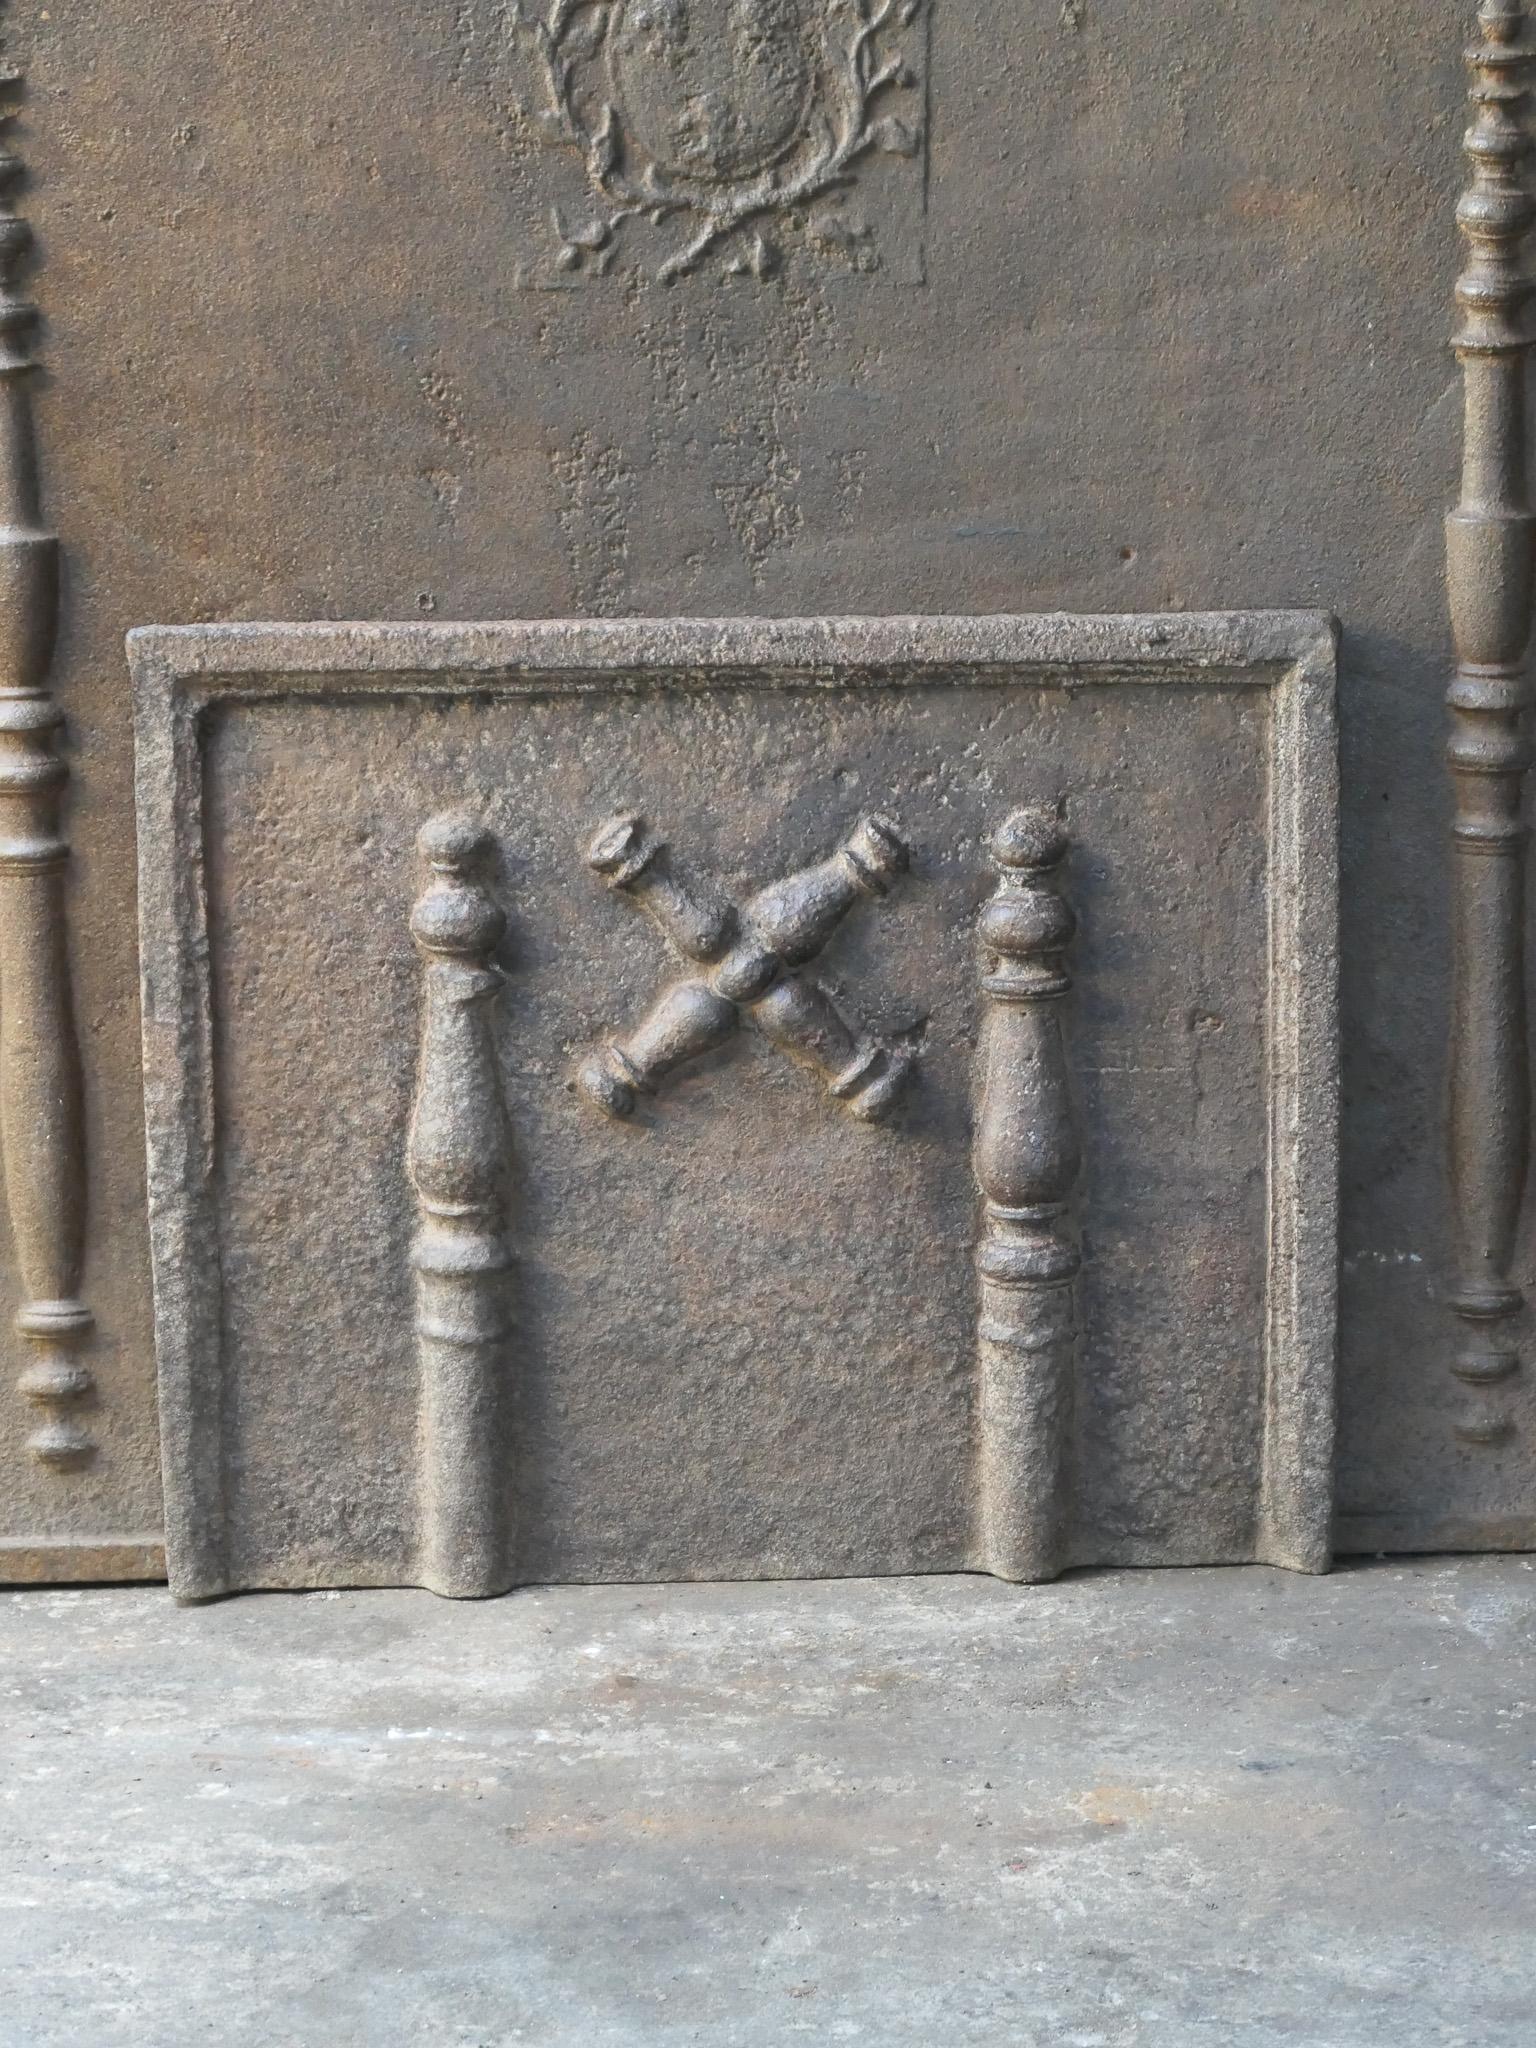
x=734 y=134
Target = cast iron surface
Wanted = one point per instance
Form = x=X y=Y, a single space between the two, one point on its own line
x=1128 y=316
x=737 y=1331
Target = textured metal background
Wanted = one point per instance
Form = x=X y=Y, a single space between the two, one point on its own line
x=740 y=1334
x=1182 y=343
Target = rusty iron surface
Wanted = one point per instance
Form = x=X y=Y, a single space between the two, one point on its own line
x=706 y=1295
x=1126 y=316
x=1490 y=537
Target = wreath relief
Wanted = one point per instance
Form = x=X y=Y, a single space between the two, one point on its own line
x=716 y=116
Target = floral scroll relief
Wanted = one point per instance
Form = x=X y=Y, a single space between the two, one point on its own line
x=727 y=124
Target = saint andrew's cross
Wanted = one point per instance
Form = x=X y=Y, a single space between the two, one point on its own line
x=750 y=957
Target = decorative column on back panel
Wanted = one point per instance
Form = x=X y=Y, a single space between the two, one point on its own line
x=41 y=1114
x=1489 y=552
x=461 y=1256
x=1027 y=1158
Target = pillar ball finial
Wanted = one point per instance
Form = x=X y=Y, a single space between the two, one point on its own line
x=1032 y=837
x=453 y=843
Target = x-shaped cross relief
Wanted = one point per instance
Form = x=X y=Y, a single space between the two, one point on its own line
x=752 y=954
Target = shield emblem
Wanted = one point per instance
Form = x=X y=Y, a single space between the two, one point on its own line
x=716 y=90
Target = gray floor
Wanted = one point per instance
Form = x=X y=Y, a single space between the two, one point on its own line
x=1211 y=1807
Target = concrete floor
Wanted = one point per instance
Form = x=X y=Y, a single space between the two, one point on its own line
x=1221 y=1808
